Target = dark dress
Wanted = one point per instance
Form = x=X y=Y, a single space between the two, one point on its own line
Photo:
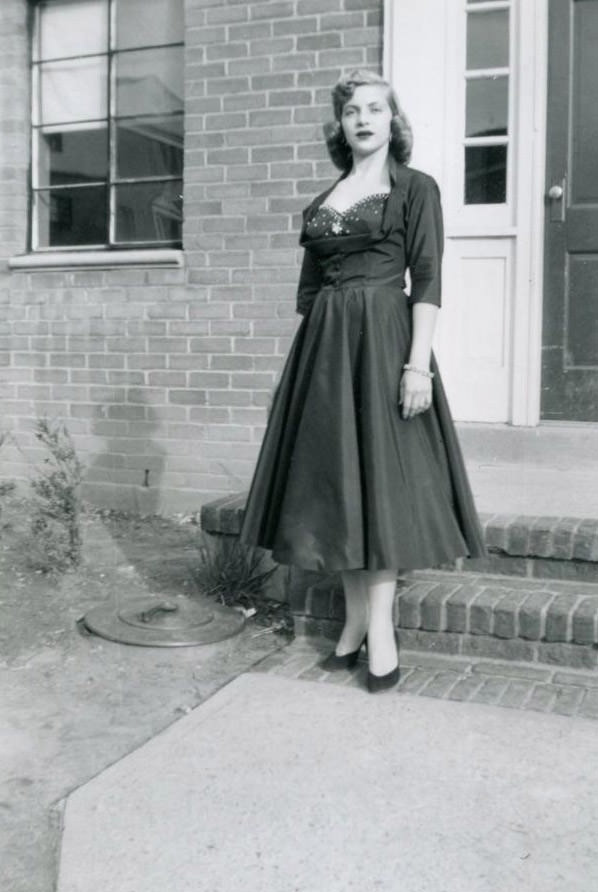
x=342 y=480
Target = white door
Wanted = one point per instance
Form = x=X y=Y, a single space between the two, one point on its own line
x=458 y=75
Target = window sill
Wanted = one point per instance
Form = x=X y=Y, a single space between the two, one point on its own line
x=155 y=257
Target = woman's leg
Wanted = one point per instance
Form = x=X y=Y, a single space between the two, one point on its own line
x=356 y=612
x=382 y=652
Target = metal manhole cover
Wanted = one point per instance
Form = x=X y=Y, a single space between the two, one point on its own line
x=174 y=621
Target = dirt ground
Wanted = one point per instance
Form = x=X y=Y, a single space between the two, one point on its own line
x=72 y=703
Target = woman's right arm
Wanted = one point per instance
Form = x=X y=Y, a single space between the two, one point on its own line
x=310 y=282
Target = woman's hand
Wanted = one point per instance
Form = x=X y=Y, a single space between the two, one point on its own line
x=415 y=394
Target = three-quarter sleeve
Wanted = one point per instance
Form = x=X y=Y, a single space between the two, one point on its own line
x=424 y=241
x=310 y=280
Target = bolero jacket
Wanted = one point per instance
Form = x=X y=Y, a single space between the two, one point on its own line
x=411 y=230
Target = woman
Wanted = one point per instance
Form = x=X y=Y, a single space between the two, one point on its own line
x=360 y=471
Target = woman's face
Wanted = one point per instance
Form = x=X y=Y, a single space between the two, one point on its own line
x=366 y=120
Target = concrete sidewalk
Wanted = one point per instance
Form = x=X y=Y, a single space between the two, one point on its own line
x=280 y=784
x=73 y=706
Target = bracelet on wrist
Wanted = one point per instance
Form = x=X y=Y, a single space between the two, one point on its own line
x=413 y=368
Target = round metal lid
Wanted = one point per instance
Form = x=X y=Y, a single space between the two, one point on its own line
x=176 y=621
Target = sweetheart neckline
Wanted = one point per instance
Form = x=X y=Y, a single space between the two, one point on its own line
x=329 y=207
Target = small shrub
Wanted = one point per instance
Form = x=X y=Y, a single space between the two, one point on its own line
x=56 y=504
x=236 y=575
x=6 y=486
x=231 y=572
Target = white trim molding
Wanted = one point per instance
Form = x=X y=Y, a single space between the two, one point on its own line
x=97 y=259
x=532 y=53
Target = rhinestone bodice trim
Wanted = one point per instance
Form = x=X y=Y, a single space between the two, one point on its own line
x=328 y=221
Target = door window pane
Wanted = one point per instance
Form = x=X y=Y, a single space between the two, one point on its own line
x=75 y=28
x=77 y=155
x=488 y=40
x=74 y=90
x=148 y=22
x=149 y=81
x=487 y=106
x=149 y=147
x=72 y=216
x=485 y=174
x=147 y=212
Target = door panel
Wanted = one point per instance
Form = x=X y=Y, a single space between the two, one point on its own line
x=570 y=329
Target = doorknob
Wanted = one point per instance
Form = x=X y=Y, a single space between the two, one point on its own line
x=555 y=192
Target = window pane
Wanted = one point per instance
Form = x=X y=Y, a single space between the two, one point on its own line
x=149 y=147
x=72 y=217
x=74 y=155
x=148 y=22
x=149 y=82
x=488 y=39
x=485 y=174
x=74 y=91
x=73 y=28
x=487 y=111
x=149 y=212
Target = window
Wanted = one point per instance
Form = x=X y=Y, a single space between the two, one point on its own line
x=107 y=140
x=487 y=83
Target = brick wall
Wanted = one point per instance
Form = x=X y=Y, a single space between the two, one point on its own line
x=169 y=371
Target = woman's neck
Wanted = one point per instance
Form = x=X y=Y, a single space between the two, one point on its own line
x=373 y=168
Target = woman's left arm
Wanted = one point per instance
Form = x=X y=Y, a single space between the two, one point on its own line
x=423 y=245
x=416 y=385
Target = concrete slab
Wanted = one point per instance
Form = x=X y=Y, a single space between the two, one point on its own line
x=277 y=785
x=548 y=470
x=533 y=490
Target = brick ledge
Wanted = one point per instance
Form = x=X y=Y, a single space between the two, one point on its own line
x=525 y=536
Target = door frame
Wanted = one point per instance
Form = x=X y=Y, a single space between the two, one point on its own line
x=401 y=57
x=531 y=174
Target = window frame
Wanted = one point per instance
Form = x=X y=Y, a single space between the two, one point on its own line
x=486 y=219
x=112 y=182
x=477 y=8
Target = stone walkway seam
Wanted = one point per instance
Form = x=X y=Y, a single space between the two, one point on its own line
x=512 y=685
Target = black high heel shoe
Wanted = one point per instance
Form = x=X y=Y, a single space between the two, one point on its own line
x=346 y=661
x=376 y=683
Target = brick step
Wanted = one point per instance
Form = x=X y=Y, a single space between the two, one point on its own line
x=529 y=620
x=534 y=599
x=539 y=547
x=519 y=545
x=514 y=685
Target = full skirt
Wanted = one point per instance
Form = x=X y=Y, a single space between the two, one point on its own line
x=342 y=480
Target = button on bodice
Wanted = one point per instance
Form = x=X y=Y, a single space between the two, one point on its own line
x=367 y=267
x=331 y=269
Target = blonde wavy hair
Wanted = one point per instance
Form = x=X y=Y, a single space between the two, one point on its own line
x=401 y=135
